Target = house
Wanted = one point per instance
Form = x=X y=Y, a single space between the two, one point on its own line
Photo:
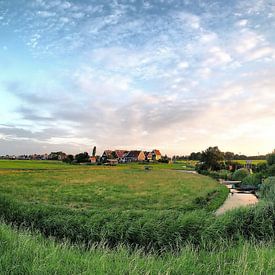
x=57 y=156
x=148 y=156
x=107 y=154
x=119 y=154
x=93 y=159
x=135 y=155
x=116 y=155
x=156 y=155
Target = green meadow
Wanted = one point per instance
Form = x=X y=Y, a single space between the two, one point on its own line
x=73 y=219
x=255 y=162
x=123 y=187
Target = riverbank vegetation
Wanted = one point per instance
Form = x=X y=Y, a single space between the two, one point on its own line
x=23 y=252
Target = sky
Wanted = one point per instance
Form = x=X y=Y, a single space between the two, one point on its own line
x=174 y=75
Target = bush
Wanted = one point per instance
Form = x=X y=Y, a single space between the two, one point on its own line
x=240 y=174
x=200 y=167
x=267 y=190
x=261 y=167
x=271 y=170
x=215 y=175
x=225 y=174
x=271 y=159
x=254 y=179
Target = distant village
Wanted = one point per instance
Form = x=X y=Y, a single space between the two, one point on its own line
x=111 y=157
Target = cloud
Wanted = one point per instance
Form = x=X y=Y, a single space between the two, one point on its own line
x=261 y=52
x=242 y=23
x=189 y=19
x=217 y=57
x=125 y=74
x=46 y=14
x=248 y=41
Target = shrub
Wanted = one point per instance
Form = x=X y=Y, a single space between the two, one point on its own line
x=254 y=179
x=261 y=167
x=200 y=167
x=215 y=175
x=240 y=174
x=271 y=170
x=271 y=159
x=225 y=174
x=204 y=172
x=267 y=190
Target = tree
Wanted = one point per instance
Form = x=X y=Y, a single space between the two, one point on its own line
x=68 y=159
x=82 y=157
x=94 y=151
x=195 y=156
x=229 y=155
x=212 y=157
x=271 y=158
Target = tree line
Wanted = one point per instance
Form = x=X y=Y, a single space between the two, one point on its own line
x=226 y=156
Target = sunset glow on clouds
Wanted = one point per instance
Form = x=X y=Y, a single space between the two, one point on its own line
x=174 y=75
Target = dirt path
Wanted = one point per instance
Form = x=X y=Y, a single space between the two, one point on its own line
x=236 y=199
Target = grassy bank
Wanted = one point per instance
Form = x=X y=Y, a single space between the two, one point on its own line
x=26 y=253
x=161 y=230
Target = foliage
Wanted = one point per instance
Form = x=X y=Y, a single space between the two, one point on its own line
x=213 y=174
x=271 y=170
x=195 y=156
x=164 y=159
x=68 y=159
x=212 y=157
x=229 y=156
x=82 y=157
x=268 y=189
x=261 y=167
x=225 y=174
x=94 y=151
x=253 y=179
x=202 y=168
x=240 y=174
x=271 y=159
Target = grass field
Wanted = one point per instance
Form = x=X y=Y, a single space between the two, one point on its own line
x=255 y=162
x=122 y=204
x=159 y=221
x=123 y=187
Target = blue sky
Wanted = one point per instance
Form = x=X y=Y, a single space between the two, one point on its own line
x=174 y=75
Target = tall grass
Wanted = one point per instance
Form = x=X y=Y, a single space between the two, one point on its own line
x=158 y=230
x=26 y=253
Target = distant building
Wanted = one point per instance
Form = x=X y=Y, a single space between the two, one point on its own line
x=119 y=154
x=107 y=154
x=135 y=155
x=93 y=159
x=148 y=156
x=130 y=156
x=57 y=156
x=156 y=155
